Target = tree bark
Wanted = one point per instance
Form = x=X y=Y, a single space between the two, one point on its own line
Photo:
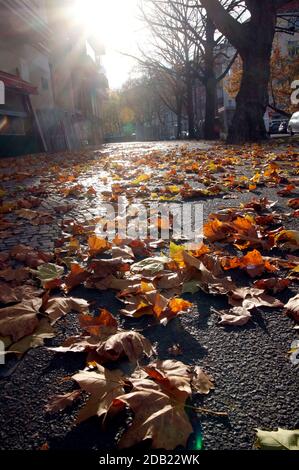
x=179 y=126
x=210 y=109
x=253 y=40
x=248 y=122
x=190 y=105
x=210 y=82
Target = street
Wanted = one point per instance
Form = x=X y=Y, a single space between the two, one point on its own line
x=52 y=204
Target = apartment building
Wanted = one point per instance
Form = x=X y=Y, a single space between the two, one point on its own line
x=79 y=82
x=25 y=72
x=53 y=79
x=288 y=29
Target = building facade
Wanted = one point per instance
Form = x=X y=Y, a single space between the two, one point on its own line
x=54 y=84
x=25 y=72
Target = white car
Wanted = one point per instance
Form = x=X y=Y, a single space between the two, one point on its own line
x=293 y=127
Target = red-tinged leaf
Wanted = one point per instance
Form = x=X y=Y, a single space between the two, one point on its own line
x=165 y=394
x=294 y=203
x=272 y=284
x=77 y=276
x=287 y=190
x=102 y=324
x=105 y=267
x=53 y=284
x=32 y=258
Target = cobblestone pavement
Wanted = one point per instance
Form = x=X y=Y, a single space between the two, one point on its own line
x=255 y=380
x=47 y=190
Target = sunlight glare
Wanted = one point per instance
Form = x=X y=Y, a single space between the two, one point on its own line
x=112 y=21
x=115 y=24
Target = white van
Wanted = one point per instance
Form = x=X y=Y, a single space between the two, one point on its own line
x=293 y=127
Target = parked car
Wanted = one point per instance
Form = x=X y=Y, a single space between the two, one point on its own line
x=293 y=126
x=274 y=126
x=283 y=128
x=184 y=134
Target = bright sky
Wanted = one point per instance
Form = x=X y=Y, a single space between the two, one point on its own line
x=116 y=23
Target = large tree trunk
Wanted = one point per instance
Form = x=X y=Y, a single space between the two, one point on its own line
x=190 y=112
x=248 y=122
x=179 y=110
x=179 y=126
x=210 y=108
x=253 y=40
x=210 y=82
x=190 y=105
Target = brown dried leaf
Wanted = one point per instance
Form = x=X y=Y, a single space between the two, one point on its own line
x=19 y=275
x=126 y=343
x=58 y=307
x=42 y=332
x=103 y=385
x=173 y=376
x=162 y=420
x=201 y=382
x=20 y=320
x=236 y=316
x=10 y=294
x=249 y=298
x=60 y=402
x=292 y=307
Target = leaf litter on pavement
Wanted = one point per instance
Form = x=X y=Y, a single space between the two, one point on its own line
x=249 y=241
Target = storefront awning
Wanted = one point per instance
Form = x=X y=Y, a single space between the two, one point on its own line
x=16 y=83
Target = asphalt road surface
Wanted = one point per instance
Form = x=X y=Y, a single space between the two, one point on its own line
x=255 y=381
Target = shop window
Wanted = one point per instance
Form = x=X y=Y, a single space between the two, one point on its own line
x=13 y=101
x=12 y=125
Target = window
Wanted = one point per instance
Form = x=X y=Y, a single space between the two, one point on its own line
x=293 y=23
x=90 y=51
x=293 y=48
x=24 y=70
x=45 y=83
x=13 y=102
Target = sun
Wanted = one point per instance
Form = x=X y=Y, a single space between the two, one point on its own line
x=115 y=24
x=90 y=13
x=112 y=20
